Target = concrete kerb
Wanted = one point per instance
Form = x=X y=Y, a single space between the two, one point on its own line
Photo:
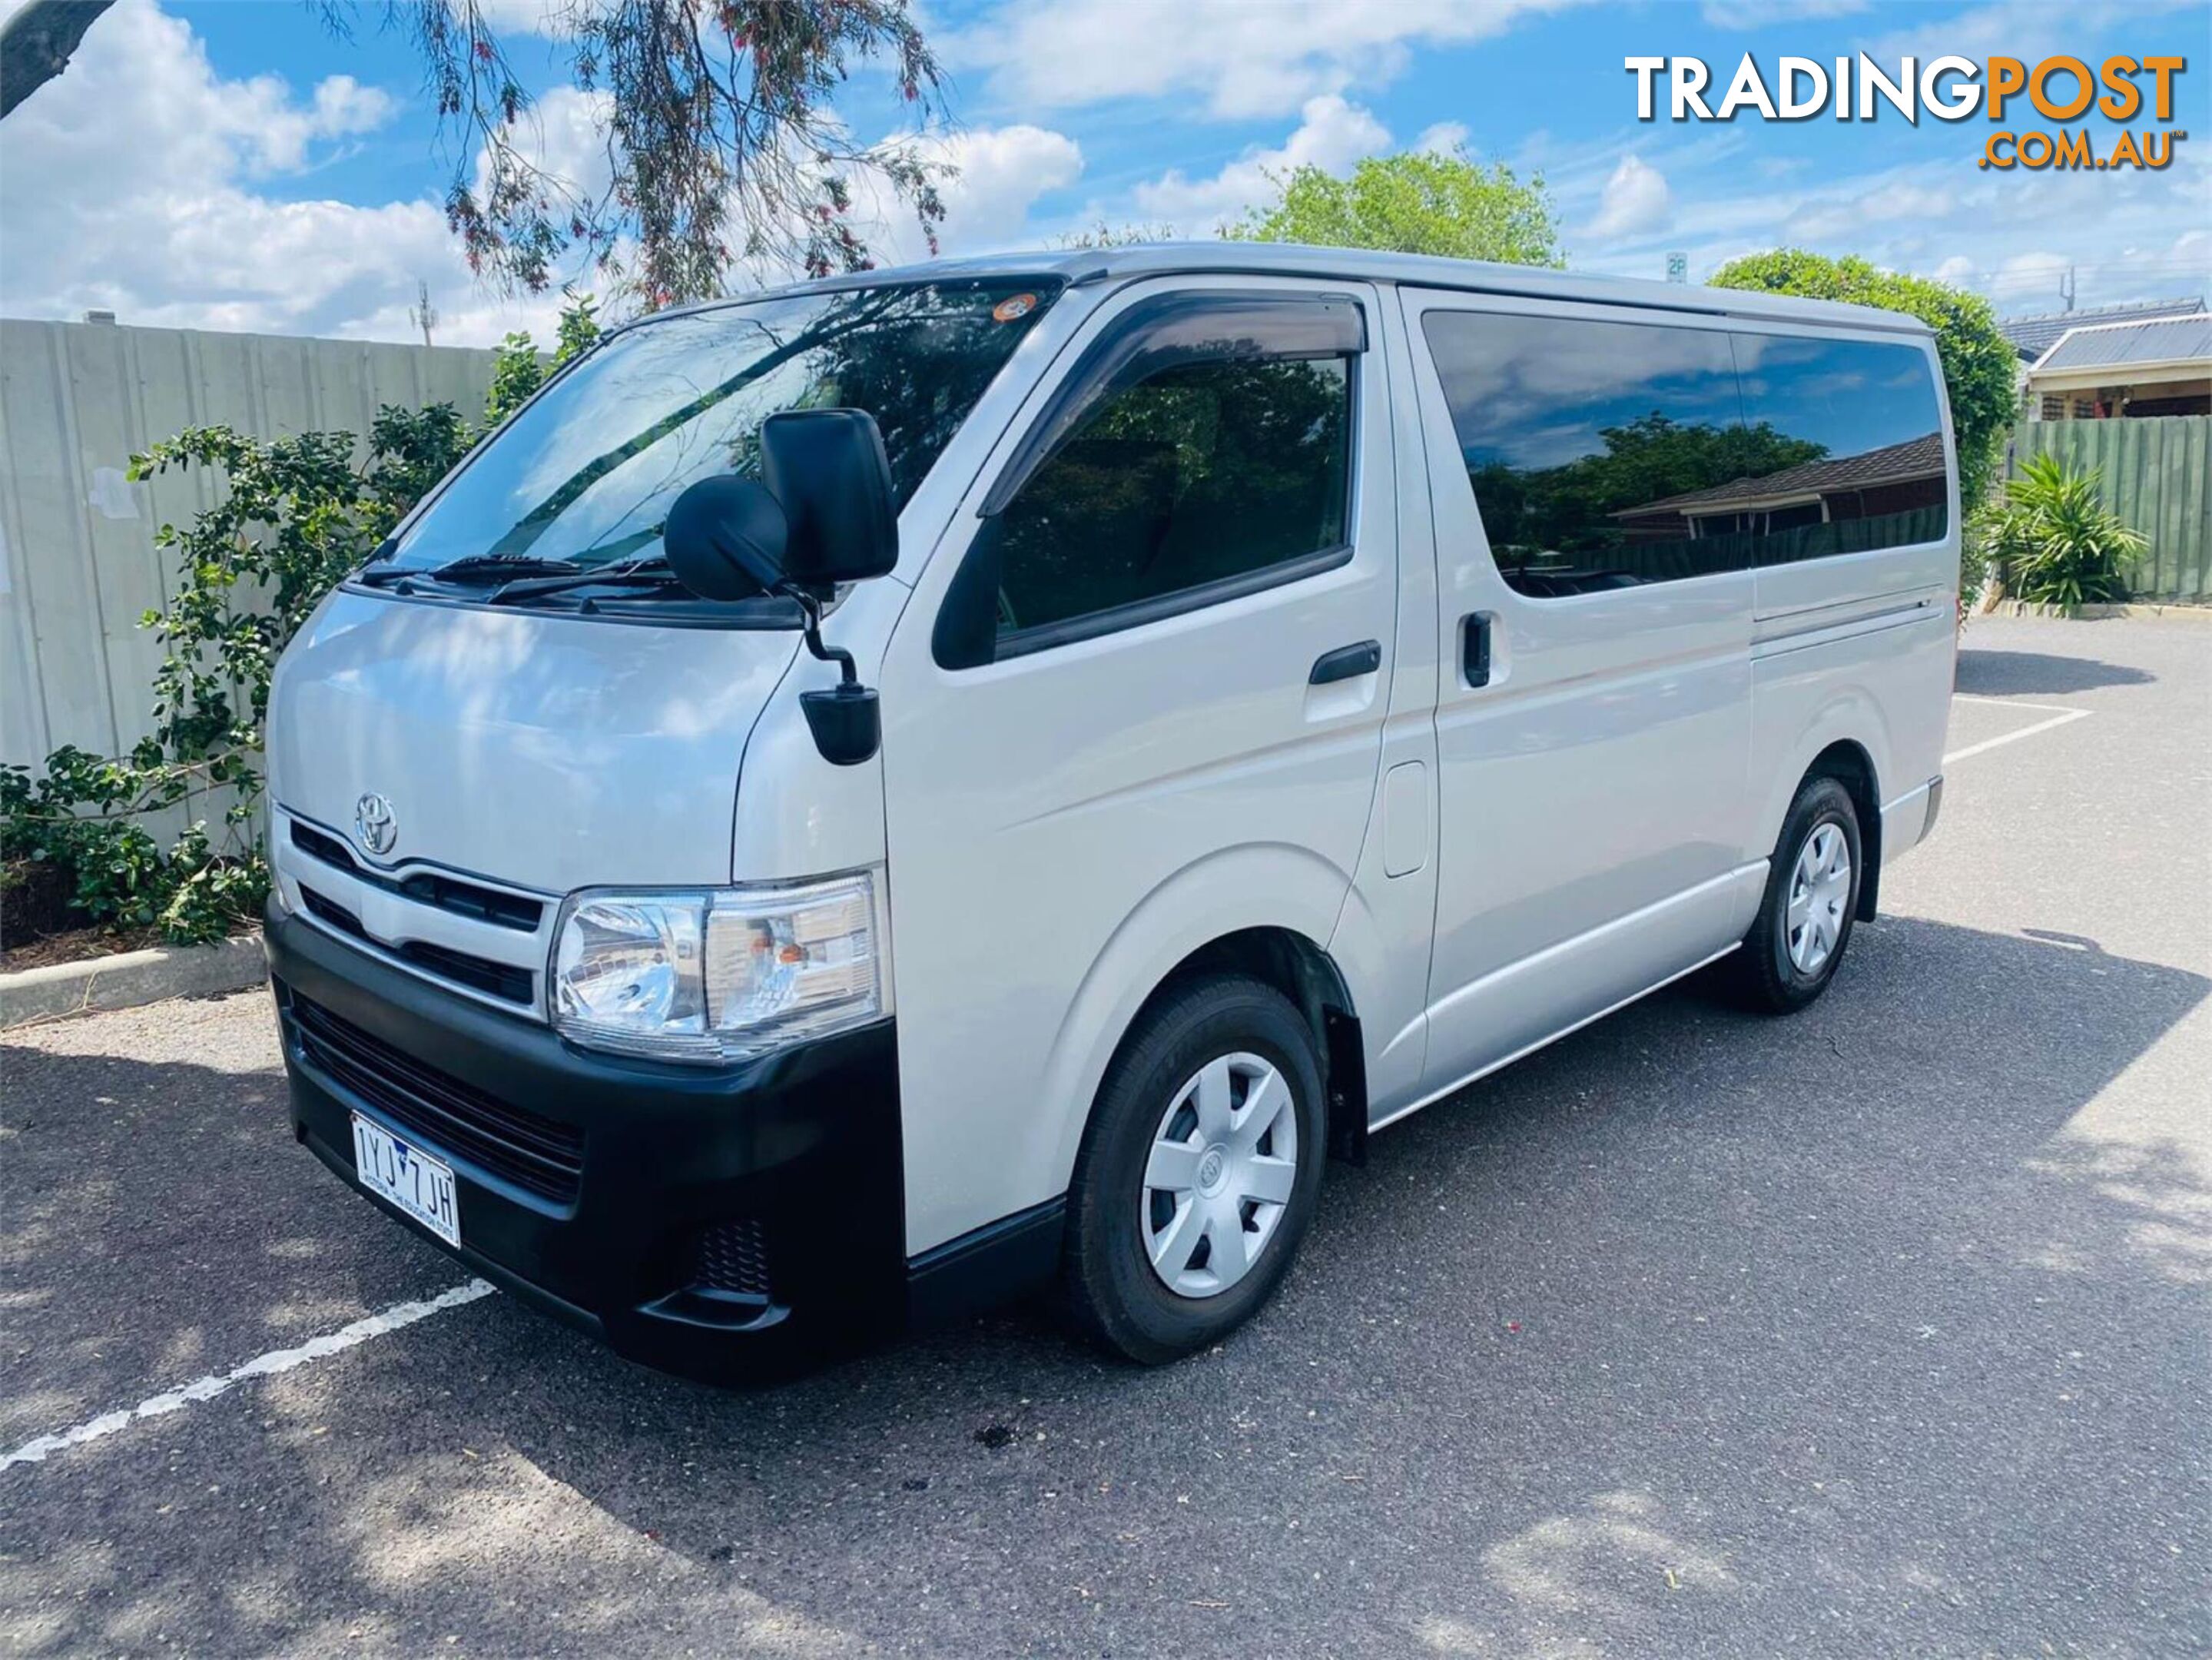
x=129 y=978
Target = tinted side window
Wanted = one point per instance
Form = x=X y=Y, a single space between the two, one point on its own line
x=1204 y=472
x=1877 y=473
x=1571 y=431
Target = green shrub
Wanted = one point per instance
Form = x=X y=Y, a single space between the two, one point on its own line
x=2051 y=542
x=1418 y=201
x=517 y=370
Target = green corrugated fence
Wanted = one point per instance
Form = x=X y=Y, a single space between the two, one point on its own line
x=2154 y=475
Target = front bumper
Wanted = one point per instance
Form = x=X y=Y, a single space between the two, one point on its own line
x=605 y=1190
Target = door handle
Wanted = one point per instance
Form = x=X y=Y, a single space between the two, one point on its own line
x=1474 y=648
x=1346 y=663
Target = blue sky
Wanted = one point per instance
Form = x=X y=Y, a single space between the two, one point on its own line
x=232 y=164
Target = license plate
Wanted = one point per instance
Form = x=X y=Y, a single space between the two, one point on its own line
x=420 y=1185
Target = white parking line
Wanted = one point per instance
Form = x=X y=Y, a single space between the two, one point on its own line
x=2015 y=704
x=2065 y=717
x=267 y=1366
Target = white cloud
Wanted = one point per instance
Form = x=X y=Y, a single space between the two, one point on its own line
x=565 y=133
x=1244 y=58
x=1764 y=13
x=1889 y=201
x=2026 y=276
x=144 y=180
x=2010 y=236
x=1333 y=135
x=543 y=17
x=1635 y=201
x=342 y=105
x=141 y=181
x=2193 y=246
x=132 y=182
x=999 y=173
x=2027 y=29
x=1443 y=138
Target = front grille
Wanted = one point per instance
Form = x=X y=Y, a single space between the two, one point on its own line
x=732 y=1259
x=502 y=980
x=447 y=893
x=506 y=910
x=534 y=1152
x=333 y=913
x=316 y=845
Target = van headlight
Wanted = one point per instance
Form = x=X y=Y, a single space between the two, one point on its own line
x=719 y=974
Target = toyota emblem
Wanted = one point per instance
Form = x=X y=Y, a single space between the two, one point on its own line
x=373 y=819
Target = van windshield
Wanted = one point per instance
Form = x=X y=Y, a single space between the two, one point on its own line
x=586 y=473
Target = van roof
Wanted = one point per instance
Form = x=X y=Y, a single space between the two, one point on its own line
x=1083 y=266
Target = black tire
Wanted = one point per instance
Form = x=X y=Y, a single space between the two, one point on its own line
x=1761 y=974
x=1109 y=1288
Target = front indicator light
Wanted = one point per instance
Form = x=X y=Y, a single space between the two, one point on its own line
x=721 y=974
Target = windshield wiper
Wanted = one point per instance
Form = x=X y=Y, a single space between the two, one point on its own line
x=493 y=567
x=642 y=573
x=501 y=567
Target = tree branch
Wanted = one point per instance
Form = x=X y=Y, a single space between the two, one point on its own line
x=37 y=44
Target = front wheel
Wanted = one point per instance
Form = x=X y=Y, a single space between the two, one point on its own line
x=1198 y=1172
x=1804 y=920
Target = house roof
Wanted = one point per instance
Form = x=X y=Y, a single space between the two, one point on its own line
x=1915 y=458
x=2155 y=340
x=2031 y=337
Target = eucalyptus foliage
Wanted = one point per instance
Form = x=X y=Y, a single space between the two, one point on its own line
x=718 y=143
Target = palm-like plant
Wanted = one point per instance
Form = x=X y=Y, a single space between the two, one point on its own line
x=2054 y=542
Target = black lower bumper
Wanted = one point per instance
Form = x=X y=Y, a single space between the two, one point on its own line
x=723 y=1223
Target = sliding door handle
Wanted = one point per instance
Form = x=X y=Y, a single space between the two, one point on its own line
x=1346 y=663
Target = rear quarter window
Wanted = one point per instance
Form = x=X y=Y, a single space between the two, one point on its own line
x=1608 y=455
x=1878 y=474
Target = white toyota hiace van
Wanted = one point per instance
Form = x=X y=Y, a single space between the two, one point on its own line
x=870 y=798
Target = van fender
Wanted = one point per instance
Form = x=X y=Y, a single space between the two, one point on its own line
x=1850 y=715
x=1251 y=885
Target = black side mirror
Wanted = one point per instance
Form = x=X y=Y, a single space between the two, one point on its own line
x=828 y=469
x=725 y=539
x=827 y=514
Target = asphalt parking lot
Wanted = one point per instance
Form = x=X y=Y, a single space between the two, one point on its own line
x=1883 y=1329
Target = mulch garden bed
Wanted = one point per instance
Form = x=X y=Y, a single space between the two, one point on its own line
x=38 y=926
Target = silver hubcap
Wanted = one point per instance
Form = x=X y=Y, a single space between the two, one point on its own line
x=1820 y=888
x=1222 y=1165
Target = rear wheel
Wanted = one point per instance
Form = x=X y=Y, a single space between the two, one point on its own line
x=1199 y=1171
x=1804 y=920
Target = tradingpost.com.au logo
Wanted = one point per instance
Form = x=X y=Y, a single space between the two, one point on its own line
x=2057 y=90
